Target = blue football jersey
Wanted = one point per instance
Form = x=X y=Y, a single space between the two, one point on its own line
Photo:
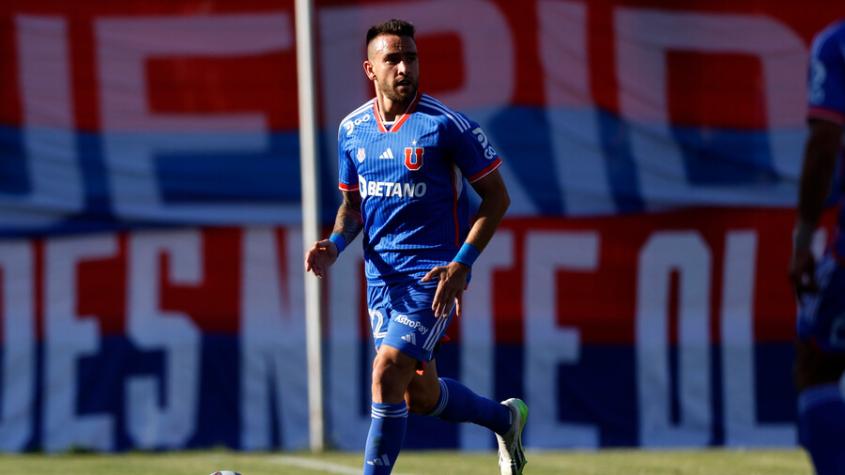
x=411 y=176
x=826 y=97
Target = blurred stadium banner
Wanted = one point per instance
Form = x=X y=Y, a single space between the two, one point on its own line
x=151 y=289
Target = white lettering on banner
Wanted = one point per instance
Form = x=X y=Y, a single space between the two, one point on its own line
x=133 y=135
x=272 y=352
x=18 y=345
x=172 y=423
x=547 y=346
x=741 y=426
x=68 y=338
x=488 y=59
x=645 y=36
x=349 y=426
x=477 y=341
x=570 y=110
x=54 y=173
x=688 y=254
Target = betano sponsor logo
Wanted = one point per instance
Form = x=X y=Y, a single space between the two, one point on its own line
x=391 y=189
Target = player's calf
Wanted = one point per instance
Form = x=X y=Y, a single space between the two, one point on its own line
x=392 y=372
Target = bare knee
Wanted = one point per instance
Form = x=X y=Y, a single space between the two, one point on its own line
x=424 y=391
x=391 y=376
x=422 y=399
x=814 y=366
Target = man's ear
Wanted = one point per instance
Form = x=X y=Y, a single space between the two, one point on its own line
x=368 y=70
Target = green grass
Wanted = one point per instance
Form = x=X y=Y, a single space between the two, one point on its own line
x=603 y=462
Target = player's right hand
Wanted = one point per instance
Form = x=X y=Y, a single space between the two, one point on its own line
x=802 y=272
x=320 y=257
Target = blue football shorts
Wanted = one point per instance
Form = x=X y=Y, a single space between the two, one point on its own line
x=401 y=317
x=821 y=315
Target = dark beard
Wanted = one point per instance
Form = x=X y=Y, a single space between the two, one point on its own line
x=405 y=99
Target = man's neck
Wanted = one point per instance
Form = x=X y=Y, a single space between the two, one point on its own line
x=390 y=109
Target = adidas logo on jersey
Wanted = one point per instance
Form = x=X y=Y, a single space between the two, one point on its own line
x=410 y=338
x=386 y=155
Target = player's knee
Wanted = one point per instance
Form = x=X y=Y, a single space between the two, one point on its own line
x=421 y=401
x=390 y=379
x=815 y=367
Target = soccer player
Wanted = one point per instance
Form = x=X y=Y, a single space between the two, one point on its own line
x=403 y=161
x=820 y=351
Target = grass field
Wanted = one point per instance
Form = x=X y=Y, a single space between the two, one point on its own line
x=605 y=462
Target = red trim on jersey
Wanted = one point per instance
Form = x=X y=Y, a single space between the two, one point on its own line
x=345 y=187
x=455 y=209
x=486 y=171
x=398 y=123
x=824 y=113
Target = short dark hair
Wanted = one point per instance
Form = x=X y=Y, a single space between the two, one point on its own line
x=390 y=27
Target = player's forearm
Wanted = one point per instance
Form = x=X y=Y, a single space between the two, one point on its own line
x=490 y=214
x=816 y=175
x=815 y=182
x=349 y=221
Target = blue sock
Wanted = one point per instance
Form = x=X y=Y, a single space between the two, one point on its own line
x=821 y=427
x=458 y=403
x=387 y=431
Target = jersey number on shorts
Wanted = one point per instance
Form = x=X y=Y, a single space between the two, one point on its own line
x=377 y=321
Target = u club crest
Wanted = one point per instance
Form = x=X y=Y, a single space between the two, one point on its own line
x=414 y=158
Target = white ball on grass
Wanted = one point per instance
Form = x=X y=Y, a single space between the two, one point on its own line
x=225 y=472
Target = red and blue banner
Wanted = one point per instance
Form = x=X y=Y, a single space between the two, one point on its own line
x=151 y=282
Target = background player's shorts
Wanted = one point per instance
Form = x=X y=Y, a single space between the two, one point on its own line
x=401 y=316
x=821 y=315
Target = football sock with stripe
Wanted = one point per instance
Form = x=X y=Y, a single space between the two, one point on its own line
x=457 y=403
x=821 y=427
x=387 y=431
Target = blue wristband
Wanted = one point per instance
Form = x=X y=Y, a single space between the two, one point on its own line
x=338 y=241
x=467 y=254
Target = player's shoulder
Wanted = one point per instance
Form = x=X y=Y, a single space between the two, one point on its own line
x=831 y=37
x=360 y=115
x=443 y=114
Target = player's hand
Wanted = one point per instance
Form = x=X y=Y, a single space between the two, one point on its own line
x=320 y=257
x=802 y=272
x=451 y=282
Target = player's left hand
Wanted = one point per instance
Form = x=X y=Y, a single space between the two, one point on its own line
x=452 y=280
x=802 y=272
x=320 y=257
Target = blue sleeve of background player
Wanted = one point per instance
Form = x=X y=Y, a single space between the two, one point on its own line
x=347 y=176
x=472 y=151
x=826 y=78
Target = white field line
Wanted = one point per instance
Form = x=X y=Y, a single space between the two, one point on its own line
x=318 y=465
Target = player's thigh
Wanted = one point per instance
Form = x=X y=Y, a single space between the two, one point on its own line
x=424 y=390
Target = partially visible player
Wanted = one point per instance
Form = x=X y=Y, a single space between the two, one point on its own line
x=820 y=287
x=404 y=159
